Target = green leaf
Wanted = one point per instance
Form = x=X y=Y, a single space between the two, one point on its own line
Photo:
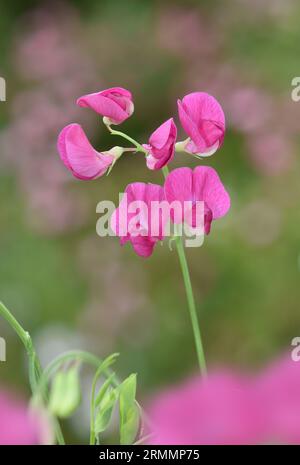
x=103 y=389
x=110 y=360
x=65 y=394
x=105 y=410
x=129 y=412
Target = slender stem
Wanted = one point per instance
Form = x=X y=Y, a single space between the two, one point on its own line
x=23 y=335
x=139 y=147
x=35 y=370
x=190 y=297
x=79 y=355
x=191 y=304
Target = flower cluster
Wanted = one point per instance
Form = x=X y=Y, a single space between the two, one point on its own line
x=203 y=120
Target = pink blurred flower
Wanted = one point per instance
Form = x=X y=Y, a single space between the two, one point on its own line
x=249 y=109
x=17 y=426
x=203 y=120
x=271 y=153
x=219 y=410
x=79 y=156
x=202 y=184
x=279 y=388
x=230 y=409
x=137 y=227
x=161 y=145
x=115 y=104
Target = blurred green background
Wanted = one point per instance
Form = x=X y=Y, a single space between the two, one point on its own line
x=73 y=289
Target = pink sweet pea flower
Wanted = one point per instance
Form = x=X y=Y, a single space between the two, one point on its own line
x=203 y=120
x=279 y=388
x=17 y=425
x=221 y=409
x=230 y=409
x=131 y=221
x=80 y=157
x=115 y=104
x=188 y=187
x=161 y=145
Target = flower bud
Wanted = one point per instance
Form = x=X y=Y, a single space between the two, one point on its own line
x=65 y=395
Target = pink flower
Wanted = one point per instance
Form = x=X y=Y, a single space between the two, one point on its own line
x=131 y=221
x=79 y=156
x=230 y=409
x=115 y=104
x=203 y=120
x=219 y=410
x=279 y=388
x=161 y=145
x=17 y=426
x=202 y=184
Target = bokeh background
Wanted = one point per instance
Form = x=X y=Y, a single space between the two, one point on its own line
x=72 y=289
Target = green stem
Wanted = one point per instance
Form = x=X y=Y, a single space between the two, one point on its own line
x=35 y=370
x=139 y=147
x=190 y=297
x=191 y=304
x=79 y=355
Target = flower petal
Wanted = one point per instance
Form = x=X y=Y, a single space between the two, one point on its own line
x=208 y=187
x=79 y=156
x=161 y=145
x=114 y=103
x=203 y=119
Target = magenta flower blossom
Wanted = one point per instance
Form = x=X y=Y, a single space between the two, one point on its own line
x=279 y=387
x=230 y=409
x=17 y=426
x=202 y=184
x=115 y=104
x=203 y=120
x=219 y=410
x=79 y=156
x=132 y=220
x=161 y=145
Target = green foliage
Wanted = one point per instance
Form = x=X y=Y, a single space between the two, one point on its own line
x=129 y=411
x=105 y=409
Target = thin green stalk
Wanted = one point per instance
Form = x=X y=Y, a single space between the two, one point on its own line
x=191 y=304
x=190 y=298
x=80 y=355
x=139 y=147
x=35 y=370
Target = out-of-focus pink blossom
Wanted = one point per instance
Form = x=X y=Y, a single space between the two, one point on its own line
x=279 y=388
x=271 y=153
x=203 y=120
x=115 y=104
x=17 y=425
x=187 y=33
x=52 y=34
x=218 y=410
x=132 y=220
x=161 y=145
x=249 y=109
x=230 y=409
x=79 y=156
x=202 y=184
